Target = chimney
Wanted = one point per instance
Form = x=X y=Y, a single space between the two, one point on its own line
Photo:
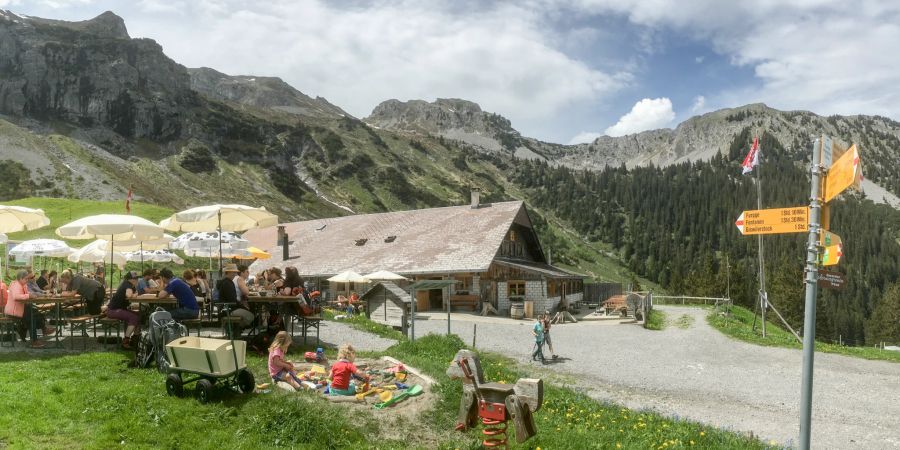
x=476 y=198
x=285 y=245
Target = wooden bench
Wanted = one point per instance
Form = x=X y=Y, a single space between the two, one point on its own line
x=10 y=325
x=463 y=301
x=196 y=323
x=82 y=321
x=107 y=324
x=230 y=322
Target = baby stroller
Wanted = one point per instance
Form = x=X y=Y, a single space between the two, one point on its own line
x=163 y=329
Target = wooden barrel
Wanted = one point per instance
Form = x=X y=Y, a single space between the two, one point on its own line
x=516 y=310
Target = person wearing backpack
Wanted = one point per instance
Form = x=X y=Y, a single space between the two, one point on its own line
x=186 y=306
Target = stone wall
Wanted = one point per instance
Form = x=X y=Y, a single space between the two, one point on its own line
x=502 y=299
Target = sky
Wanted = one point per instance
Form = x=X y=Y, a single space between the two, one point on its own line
x=561 y=71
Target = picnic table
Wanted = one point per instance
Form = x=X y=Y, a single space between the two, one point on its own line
x=307 y=323
x=46 y=300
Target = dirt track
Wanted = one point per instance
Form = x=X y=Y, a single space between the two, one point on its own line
x=700 y=374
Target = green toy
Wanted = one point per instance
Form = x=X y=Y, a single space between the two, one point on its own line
x=412 y=392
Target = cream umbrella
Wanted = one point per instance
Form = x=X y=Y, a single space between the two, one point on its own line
x=20 y=218
x=384 y=275
x=142 y=247
x=97 y=252
x=41 y=247
x=348 y=277
x=114 y=227
x=220 y=218
x=154 y=256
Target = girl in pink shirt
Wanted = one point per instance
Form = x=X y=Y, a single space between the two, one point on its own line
x=279 y=369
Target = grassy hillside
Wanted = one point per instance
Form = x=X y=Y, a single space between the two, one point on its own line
x=740 y=326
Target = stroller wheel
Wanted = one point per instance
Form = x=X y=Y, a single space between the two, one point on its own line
x=174 y=386
x=204 y=390
x=245 y=381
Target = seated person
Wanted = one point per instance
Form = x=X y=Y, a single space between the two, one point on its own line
x=18 y=291
x=186 y=306
x=343 y=369
x=33 y=287
x=279 y=368
x=233 y=290
x=118 y=308
x=91 y=291
x=146 y=285
x=43 y=281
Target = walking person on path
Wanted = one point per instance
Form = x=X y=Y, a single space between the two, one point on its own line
x=545 y=322
x=538 y=332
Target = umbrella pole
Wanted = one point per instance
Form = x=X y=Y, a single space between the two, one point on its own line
x=112 y=246
x=142 y=257
x=220 y=243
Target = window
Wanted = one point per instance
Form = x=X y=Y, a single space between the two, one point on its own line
x=516 y=289
x=465 y=283
x=552 y=288
x=512 y=235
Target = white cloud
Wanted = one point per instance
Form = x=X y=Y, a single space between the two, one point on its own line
x=699 y=59
x=501 y=56
x=585 y=137
x=828 y=56
x=647 y=114
x=699 y=104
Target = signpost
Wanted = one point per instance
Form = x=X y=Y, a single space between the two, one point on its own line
x=831 y=280
x=774 y=221
x=833 y=246
x=842 y=174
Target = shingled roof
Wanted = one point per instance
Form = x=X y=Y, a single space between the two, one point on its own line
x=435 y=240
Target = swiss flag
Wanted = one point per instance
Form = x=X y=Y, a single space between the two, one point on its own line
x=752 y=158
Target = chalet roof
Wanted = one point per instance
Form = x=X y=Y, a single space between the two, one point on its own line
x=375 y=291
x=436 y=240
x=541 y=268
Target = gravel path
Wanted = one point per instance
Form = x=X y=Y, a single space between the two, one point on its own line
x=333 y=334
x=702 y=375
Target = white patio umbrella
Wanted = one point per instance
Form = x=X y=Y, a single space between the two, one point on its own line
x=143 y=246
x=208 y=240
x=384 y=275
x=97 y=252
x=20 y=218
x=114 y=227
x=41 y=247
x=348 y=277
x=154 y=256
x=220 y=218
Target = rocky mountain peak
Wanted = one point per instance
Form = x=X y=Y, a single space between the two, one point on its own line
x=453 y=118
x=107 y=25
x=261 y=92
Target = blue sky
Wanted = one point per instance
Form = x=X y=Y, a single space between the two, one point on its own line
x=561 y=71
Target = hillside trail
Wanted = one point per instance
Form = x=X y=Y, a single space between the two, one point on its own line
x=697 y=373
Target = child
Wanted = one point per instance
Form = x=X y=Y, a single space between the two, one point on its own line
x=279 y=369
x=343 y=369
x=538 y=332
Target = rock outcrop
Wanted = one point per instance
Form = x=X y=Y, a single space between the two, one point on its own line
x=261 y=92
x=91 y=73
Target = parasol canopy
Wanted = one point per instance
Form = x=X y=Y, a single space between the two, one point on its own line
x=97 y=252
x=116 y=227
x=348 y=277
x=384 y=275
x=20 y=218
x=216 y=217
x=41 y=247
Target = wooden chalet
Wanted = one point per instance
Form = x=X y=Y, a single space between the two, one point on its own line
x=490 y=248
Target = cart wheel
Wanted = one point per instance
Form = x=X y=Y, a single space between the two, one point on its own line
x=174 y=386
x=204 y=390
x=245 y=381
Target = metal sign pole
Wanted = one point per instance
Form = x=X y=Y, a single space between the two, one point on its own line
x=809 y=320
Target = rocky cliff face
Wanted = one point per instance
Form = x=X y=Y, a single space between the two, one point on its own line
x=457 y=119
x=92 y=74
x=261 y=92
